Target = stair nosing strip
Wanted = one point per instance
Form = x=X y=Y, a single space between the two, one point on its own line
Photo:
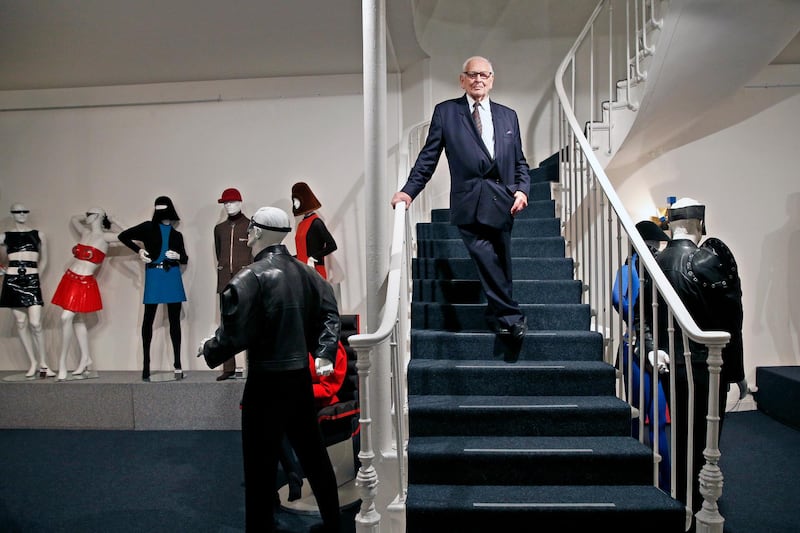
x=529 y=450
x=528 y=406
x=541 y=505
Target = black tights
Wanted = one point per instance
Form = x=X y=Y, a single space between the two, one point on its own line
x=174 y=315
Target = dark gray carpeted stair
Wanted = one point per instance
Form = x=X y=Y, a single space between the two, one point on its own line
x=501 y=436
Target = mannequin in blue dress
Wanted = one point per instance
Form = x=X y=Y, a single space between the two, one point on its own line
x=162 y=251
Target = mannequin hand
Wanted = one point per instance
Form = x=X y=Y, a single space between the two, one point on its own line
x=144 y=256
x=311 y=262
x=324 y=366
x=663 y=361
x=203 y=345
x=171 y=254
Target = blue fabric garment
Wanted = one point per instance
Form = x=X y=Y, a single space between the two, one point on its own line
x=619 y=294
x=163 y=285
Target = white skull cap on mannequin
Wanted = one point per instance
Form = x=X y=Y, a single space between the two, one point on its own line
x=273 y=223
x=687 y=208
x=687 y=219
x=684 y=202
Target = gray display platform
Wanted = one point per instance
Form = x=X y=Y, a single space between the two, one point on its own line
x=121 y=400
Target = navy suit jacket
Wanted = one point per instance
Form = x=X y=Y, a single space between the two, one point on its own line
x=481 y=188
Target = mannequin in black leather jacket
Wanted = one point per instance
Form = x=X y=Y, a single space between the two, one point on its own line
x=279 y=310
x=707 y=280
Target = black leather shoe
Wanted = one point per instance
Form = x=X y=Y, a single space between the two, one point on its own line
x=225 y=375
x=519 y=329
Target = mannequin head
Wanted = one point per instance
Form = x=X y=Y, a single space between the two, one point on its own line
x=687 y=219
x=232 y=208
x=97 y=218
x=19 y=213
x=268 y=226
x=303 y=200
x=164 y=211
x=231 y=200
x=653 y=235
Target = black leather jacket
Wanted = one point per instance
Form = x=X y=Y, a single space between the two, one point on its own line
x=707 y=281
x=279 y=310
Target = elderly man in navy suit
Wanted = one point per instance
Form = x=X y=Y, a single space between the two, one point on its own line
x=489 y=184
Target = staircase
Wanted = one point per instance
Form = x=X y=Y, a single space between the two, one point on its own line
x=499 y=435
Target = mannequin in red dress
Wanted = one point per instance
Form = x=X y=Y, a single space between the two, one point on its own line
x=77 y=293
x=313 y=241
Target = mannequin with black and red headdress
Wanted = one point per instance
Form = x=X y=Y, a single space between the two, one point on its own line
x=22 y=292
x=78 y=293
x=313 y=241
x=160 y=247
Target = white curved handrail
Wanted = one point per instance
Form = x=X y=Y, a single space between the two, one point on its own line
x=368 y=519
x=584 y=168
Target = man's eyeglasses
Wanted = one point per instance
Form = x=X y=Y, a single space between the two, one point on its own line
x=473 y=75
x=20 y=212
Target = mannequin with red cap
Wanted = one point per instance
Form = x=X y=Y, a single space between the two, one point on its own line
x=313 y=241
x=78 y=293
x=160 y=247
x=232 y=252
x=22 y=292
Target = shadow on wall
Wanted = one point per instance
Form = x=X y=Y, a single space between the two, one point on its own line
x=778 y=293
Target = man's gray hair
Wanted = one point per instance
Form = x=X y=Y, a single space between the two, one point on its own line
x=466 y=62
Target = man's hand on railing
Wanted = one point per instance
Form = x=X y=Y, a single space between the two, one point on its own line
x=400 y=196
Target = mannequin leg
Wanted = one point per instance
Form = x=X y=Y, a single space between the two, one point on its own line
x=35 y=318
x=21 y=318
x=174 y=315
x=83 y=343
x=147 y=337
x=67 y=334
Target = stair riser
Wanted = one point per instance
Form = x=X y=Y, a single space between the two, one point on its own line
x=485 y=346
x=537 y=228
x=539 y=192
x=471 y=292
x=545 y=519
x=473 y=317
x=520 y=469
x=551 y=422
x=454 y=248
x=522 y=268
x=515 y=379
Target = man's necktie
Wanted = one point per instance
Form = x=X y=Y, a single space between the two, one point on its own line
x=476 y=116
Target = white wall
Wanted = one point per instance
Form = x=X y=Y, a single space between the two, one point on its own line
x=261 y=137
x=746 y=173
x=747 y=177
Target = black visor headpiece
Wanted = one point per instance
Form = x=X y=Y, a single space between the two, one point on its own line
x=164 y=210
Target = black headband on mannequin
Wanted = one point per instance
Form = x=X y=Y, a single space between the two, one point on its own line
x=269 y=228
x=689 y=212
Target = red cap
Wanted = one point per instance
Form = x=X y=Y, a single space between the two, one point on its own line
x=230 y=195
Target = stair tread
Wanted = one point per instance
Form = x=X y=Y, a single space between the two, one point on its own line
x=448 y=401
x=478 y=444
x=465 y=497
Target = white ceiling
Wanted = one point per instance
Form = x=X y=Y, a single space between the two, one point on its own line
x=83 y=43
